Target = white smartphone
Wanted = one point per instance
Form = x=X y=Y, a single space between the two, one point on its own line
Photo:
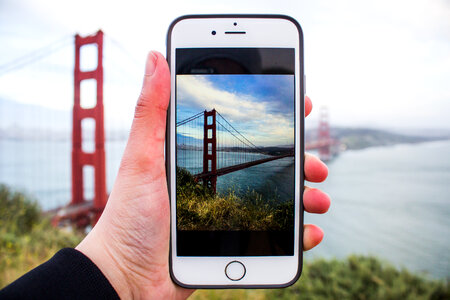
x=234 y=150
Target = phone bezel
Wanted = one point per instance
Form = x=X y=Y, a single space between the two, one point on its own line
x=217 y=262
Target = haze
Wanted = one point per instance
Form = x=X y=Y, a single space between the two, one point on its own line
x=372 y=63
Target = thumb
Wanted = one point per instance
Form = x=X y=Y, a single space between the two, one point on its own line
x=146 y=141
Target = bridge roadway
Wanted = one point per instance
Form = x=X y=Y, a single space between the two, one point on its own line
x=226 y=170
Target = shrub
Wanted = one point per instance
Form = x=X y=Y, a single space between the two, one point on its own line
x=198 y=208
x=27 y=238
x=357 y=277
x=18 y=213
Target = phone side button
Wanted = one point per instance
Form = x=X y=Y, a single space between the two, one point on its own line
x=235 y=270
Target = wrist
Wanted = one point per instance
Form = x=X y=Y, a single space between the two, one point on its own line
x=98 y=252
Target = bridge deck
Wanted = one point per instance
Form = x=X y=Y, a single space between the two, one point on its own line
x=226 y=170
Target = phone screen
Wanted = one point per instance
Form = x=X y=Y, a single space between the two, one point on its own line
x=235 y=145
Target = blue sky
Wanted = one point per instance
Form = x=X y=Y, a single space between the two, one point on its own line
x=259 y=106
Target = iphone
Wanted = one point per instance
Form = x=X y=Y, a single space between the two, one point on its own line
x=234 y=150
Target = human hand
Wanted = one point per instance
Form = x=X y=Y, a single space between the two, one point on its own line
x=130 y=243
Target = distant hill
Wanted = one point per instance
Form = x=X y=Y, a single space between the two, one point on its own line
x=359 y=138
x=24 y=115
x=28 y=121
x=187 y=140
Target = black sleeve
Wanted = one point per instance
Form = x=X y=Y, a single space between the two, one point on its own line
x=67 y=275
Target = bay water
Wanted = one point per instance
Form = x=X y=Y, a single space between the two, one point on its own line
x=390 y=202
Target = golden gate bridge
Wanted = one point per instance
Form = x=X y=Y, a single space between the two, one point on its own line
x=208 y=144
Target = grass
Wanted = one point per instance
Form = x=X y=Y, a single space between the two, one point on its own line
x=357 y=277
x=200 y=209
x=27 y=239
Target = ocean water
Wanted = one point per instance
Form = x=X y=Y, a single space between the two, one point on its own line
x=391 y=202
x=272 y=180
x=42 y=169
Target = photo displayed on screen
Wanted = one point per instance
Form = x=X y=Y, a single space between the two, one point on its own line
x=235 y=152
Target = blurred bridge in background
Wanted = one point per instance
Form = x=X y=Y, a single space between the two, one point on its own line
x=62 y=155
x=60 y=140
x=323 y=142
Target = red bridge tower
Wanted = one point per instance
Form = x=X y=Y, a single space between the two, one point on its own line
x=80 y=158
x=324 y=135
x=209 y=149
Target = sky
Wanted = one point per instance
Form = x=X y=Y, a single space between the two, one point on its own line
x=261 y=107
x=382 y=64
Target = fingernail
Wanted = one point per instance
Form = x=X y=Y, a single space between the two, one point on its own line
x=151 y=63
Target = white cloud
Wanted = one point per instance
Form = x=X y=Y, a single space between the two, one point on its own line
x=198 y=92
x=252 y=117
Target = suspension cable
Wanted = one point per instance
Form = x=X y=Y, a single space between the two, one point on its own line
x=35 y=56
x=189 y=119
x=239 y=132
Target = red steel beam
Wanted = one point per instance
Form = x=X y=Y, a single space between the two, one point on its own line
x=79 y=157
x=234 y=168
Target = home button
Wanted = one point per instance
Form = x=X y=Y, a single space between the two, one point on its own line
x=235 y=270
